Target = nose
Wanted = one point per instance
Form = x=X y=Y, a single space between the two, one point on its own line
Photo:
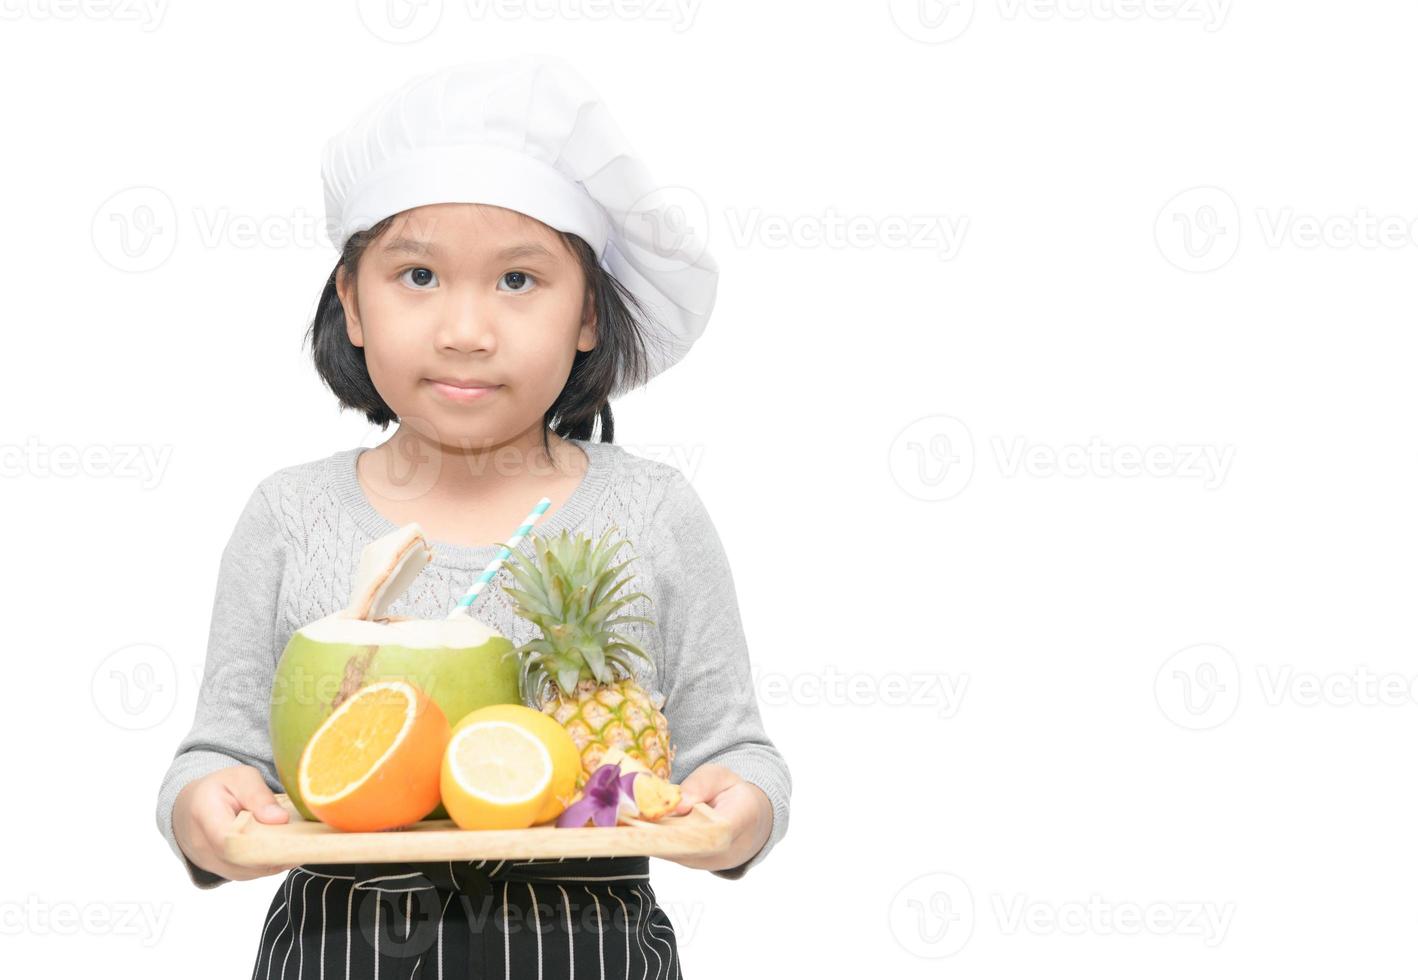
x=467 y=325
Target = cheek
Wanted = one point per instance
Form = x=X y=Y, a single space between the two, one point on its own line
x=558 y=327
x=389 y=354
x=384 y=354
x=543 y=362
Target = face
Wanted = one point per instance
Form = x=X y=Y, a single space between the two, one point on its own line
x=470 y=317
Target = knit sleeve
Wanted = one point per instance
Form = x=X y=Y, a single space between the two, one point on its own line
x=710 y=701
x=230 y=725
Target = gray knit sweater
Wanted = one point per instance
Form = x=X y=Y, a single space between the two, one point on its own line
x=296 y=546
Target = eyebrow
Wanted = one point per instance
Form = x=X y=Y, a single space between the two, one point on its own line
x=410 y=245
x=522 y=250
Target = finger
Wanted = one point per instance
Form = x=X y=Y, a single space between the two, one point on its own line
x=688 y=797
x=702 y=786
x=709 y=781
x=252 y=793
x=689 y=794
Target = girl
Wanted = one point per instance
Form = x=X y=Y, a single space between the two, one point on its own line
x=503 y=273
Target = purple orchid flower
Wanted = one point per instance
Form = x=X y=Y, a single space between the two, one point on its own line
x=608 y=794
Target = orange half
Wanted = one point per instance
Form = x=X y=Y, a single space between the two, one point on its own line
x=375 y=763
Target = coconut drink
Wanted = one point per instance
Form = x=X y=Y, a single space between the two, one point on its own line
x=462 y=663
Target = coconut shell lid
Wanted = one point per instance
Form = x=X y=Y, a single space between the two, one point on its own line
x=387 y=567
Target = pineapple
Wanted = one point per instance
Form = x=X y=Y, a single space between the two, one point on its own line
x=580 y=671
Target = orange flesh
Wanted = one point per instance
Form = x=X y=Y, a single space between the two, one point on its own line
x=347 y=752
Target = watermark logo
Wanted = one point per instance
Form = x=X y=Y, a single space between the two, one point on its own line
x=400 y=21
x=933 y=458
x=668 y=228
x=1199 y=687
x=933 y=916
x=135 y=230
x=135 y=687
x=1199 y=230
x=932 y=21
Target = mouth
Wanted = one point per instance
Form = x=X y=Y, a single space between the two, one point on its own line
x=460 y=390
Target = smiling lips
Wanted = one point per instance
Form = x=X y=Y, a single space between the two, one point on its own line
x=461 y=390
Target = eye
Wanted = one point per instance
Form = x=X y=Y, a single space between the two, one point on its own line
x=422 y=278
x=519 y=281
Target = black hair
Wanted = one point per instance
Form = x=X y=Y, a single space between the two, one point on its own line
x=620 y=351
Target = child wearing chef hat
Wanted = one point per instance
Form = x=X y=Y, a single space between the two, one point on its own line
x=506 y=267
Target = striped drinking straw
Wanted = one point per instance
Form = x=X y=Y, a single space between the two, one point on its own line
x=472 y=594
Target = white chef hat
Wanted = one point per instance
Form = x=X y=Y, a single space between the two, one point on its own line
x=529 y=134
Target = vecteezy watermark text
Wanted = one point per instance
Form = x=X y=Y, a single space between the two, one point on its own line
x=35 y=916
x=835 y=688
x=142 y=462
x=934 y=916
x=1208 y=464
x=933 y=458
x=1200 y=687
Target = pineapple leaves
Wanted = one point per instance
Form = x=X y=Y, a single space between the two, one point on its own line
x=628 y=619
x=601 y=595
x=566 y=679
x=603 y=611
x=569 y=589
x=538 y=646
x=595 y=659
x=601 y=591
x=535 y=597
x=628 y=648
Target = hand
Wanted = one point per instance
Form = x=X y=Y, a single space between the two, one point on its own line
x=746 y=808
x=205 y=809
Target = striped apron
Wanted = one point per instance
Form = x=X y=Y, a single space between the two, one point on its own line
x=595 y=918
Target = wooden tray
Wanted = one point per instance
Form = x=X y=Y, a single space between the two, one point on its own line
x=301 y=841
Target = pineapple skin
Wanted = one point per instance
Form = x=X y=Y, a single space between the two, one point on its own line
x=617 y=715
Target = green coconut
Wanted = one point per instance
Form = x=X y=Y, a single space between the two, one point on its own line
x=460 y=662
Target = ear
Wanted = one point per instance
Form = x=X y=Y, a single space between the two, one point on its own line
x=587 y=337
x=345 y=288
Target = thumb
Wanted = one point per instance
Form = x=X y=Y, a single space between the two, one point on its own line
x=253 y=794
x=701 y=786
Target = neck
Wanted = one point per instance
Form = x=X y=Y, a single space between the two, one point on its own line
x=415 y=461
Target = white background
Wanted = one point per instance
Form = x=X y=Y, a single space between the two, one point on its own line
x=1062 y=357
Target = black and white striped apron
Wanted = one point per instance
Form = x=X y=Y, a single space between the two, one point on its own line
x=596 y=918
